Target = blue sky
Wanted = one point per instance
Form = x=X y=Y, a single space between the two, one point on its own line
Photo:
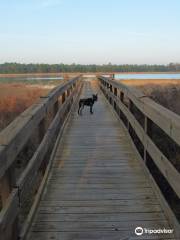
x=90 y=31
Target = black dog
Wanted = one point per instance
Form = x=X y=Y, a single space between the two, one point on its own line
x=87 y=102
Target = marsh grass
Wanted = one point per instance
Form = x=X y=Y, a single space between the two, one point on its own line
x=15 y=98
x=165 y=92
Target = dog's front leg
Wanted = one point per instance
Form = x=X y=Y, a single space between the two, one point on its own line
x=81 y=109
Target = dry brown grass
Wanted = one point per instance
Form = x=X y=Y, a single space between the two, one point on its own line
x=15 y=98
x=146 y=82
x=166 y=95
x=21 y=75
x=164 y=92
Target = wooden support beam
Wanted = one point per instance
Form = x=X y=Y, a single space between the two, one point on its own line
x=63 y=97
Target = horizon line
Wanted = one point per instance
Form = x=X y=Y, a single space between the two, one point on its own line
x=101 y=64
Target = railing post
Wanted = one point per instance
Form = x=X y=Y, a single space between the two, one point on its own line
x=145 y=132
x=68 y=92
x=42 y=129
x=115 y=91
x=71 y=89
x=111 y=88
x=55 y=108
x=63 y=97
x=130 y=103
x=122 y=96
x=6 y=185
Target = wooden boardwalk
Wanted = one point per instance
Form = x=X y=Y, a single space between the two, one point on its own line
x=97 y=188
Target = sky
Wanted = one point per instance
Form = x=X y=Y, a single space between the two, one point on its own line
x=90 y=31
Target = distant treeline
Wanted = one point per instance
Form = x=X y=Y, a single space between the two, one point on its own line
x=53 y=68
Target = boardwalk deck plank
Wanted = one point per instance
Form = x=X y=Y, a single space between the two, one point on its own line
x=97 y=188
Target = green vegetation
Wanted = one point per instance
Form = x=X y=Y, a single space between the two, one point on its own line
x=53 y=68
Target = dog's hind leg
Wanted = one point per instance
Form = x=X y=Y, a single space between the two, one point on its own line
x=91 y=111
x=79 y=109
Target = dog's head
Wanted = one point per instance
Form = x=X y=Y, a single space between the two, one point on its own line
x=95 y=97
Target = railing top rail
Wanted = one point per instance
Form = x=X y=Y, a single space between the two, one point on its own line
x=167 y=120
x=157 y=151
x=19 y=130
x=23 y=177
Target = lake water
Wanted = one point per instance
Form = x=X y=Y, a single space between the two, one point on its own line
x=31 y=79
x=47 y=79
x=148 y=76
x=44 y=78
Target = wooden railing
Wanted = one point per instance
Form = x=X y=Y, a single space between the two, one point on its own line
x=23 y=168
x=155 y=134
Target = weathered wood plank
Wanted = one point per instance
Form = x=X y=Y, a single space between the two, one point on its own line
x=14 y=137
x=101 y=202
x=100 y=226
x=164 y=118
x=97 y=188
x=112 y=217
x=97 y=235
x=99 y=209
x=25 y=181
x=9 y=212
x=164 y=165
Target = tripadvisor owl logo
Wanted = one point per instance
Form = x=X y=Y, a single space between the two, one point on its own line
x=139 y=231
